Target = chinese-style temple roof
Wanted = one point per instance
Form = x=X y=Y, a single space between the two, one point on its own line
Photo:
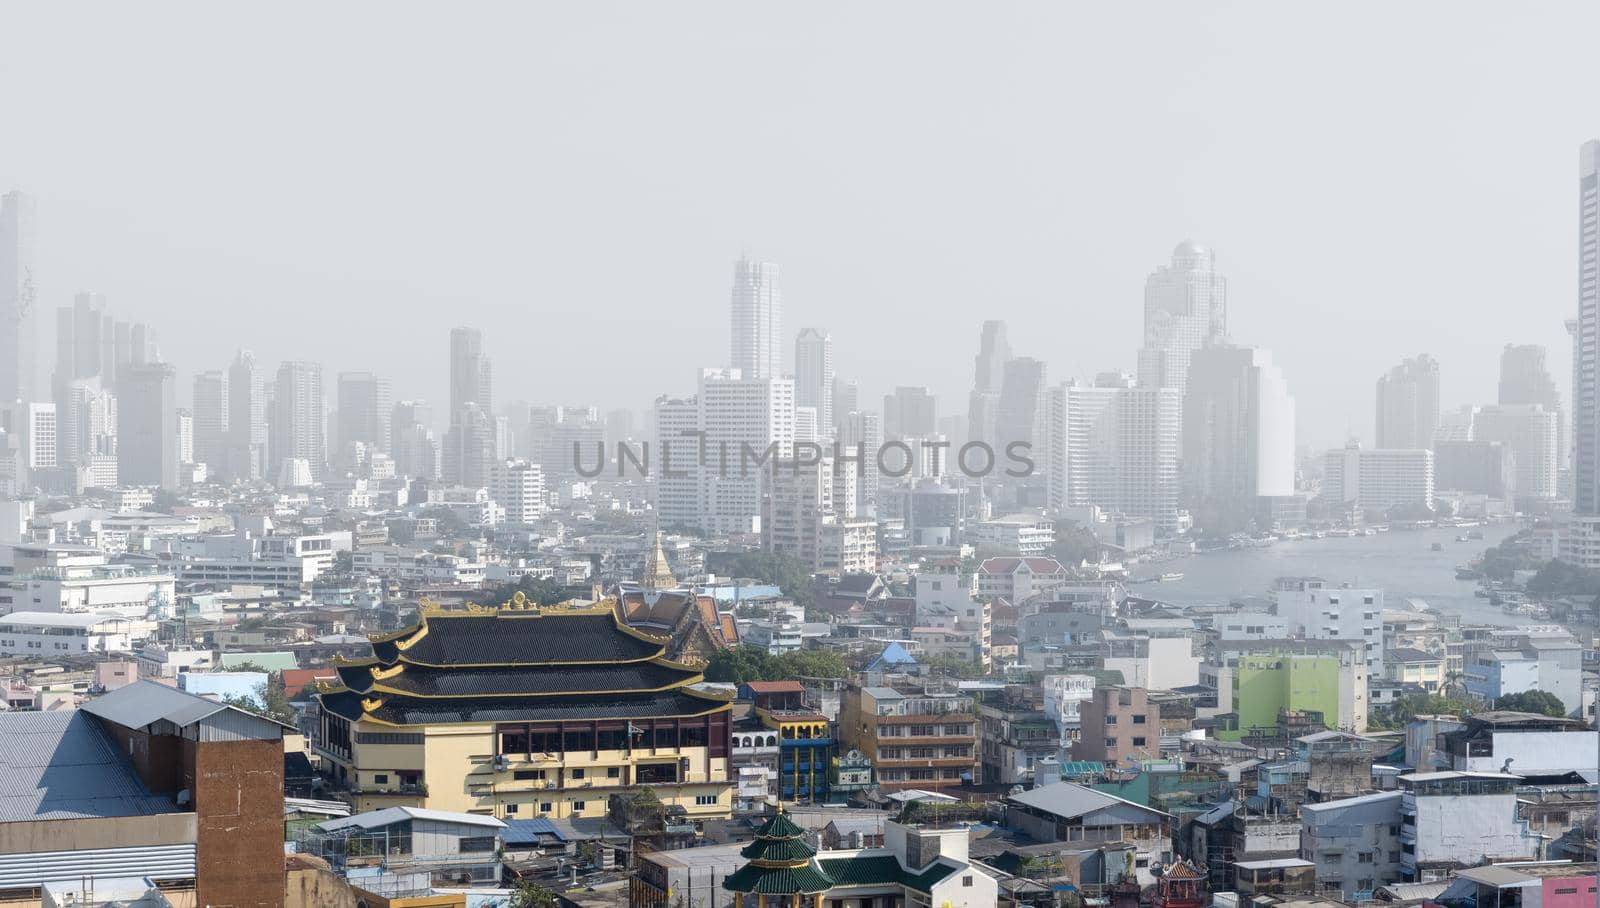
x=780 y=862
x=519 y=663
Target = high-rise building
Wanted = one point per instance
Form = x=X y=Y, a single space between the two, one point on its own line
x=297 y=430
x=1525 y=379
x=518 y=487
x=147 y=425
x=813 y=375
x=576 y=439
x=185 y=429
x=1533 y=435
x=469 y=448
x=211 y=420
x=471 y=381
x=757 y=320
x=675 y=461
x=18 y=317
x=246 y=459
x=988 y=374
x=365 y=408
x=1238 y=428
x=1115 y=446
x=809 y=514
x=42 y=436
x=1408 y=404
x=1476 y=468
x=1185 y=308
x=1586 y=339
x=910 y=412
x=1023 y=392
x=413 y=446
x=741 y=418
x=846 y=400
x=87 y=414
x=1375 y=480
x=861 y=437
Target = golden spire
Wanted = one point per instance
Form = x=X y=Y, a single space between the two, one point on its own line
x=657 y=575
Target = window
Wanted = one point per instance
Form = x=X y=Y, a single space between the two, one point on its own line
x=1572 y=891
x=545 y=806
x=380 y=779
x=1111 y=742
x=705 y=800
x=528 y=775
x=1363 y=857
x=577 y=806
x=577 y=773
x=511 y=808
x=967 y=881
x=1111 y=720
x=477 y=844
x=613 y=772
x=1138 y=720
x=1138 y=742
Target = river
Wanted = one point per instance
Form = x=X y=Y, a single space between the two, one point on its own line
x=1401 y=563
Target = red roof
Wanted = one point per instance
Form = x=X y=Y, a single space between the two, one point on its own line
x=1010 y=565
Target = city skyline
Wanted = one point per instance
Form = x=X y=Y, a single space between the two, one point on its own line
x=313 y=244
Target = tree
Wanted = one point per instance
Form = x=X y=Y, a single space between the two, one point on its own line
x=538 y=590
x=950 y=664
x=1541 y=702
x=269 y=699
x=529 y=894
x=752 y=663
x=1075 y=544
x=788 y=573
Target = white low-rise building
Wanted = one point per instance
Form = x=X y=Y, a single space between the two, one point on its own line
x=1024 y=535
x=48 y=634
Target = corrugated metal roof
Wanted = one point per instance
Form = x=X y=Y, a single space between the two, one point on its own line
x=1066 y=799
x=375 y=819
x=528 y=832
x=144 y=702
x=63 y=766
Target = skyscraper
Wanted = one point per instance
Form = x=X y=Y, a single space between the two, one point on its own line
x=365 y=409
x=297 y=429
x=1185 y=308
x=739 y=414
x=412 y=443
x=988 y=373
x=470 y=377
x=813 y=375
x=1408 y=404
x=147 y=425
x=1115 y=446
x=211 y=420
x=846 y=400
x=1238 y=428
x=18 y=318
x=910 y=412
x=1023 y=393
x=1586 y=339
x=1525 y=379
x=469 y=448
x=1532 y=434
x=757 y=320
x=247 y=420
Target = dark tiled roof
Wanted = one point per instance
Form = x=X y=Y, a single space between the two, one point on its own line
x=518 y=638
x=398 y=710
x=778 y=850
x=424 y=681
x=878 y=870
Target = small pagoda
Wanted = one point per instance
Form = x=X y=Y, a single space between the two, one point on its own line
x=782 y=869
x=1183 y=885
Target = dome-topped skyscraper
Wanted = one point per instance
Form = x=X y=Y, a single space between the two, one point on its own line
x=1185 y=308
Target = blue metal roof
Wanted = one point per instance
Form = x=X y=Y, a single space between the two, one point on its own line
x=529 y=832
x=64 y=766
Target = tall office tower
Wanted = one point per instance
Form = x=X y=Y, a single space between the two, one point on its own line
x=988 y=374
x=247 y=420
x=470 y=378
x=18 y=318
x=621 y=428
x=1022 y=398
x=87 y=414
x=1586 y=339
x=1533 y=435
x=80 y=348
x=405 y=415
x=469 y=448
x=910 y=412
x=297 y=430
x=365 y=408
x=185 y=427
x=674 y=465
x=742 y=418
x=1525 y=379
x=1408 y=404
x=757 y=320
x=413 y=445
x=41 y=436
x=846 y=400
x=1115 y=446
x=1185 y=308
x=1238 y=428
x=211 y=421
x=518 y=487
x=813 y=375
x=805 y=425
x=576 y=438
x=861 y=437
x=147 y=425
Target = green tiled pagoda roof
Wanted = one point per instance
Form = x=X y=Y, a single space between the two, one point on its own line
x=805 y=879
x=782 y=851
x=779 y=827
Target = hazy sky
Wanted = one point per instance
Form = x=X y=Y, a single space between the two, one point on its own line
x=345 y=182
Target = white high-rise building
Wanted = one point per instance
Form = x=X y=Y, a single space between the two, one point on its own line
x=1534 y=435
x=184 y=423
x=1375 y=480
x=1115 y=446
x=805 y=425
x=299 y=418
x=1408 y=404
x=211 y=420
x=87 y=417
x=1317 y=610
x=910 y=411
x=861 y=437
x=740 y=415
x=19 y=332
x=1586 y=339
x=813 y=375
x=988 y=374
x=247 y=420
x=1185 y=308
x=517 y=486
x=757 y=320
x=674 y=465
x=471 y=379
x=147 y=425
x=1238 y=427
x=42 y=439
x=1525 y=379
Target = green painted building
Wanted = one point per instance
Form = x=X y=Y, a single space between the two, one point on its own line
x=1326 y=677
